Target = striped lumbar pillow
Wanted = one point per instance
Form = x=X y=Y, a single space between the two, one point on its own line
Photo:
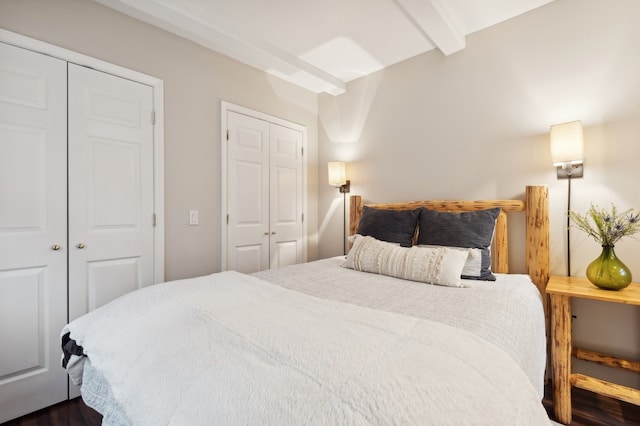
x=433 y=265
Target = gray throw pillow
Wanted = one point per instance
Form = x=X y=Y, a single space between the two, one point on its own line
x=393 y=226
x=472 y=229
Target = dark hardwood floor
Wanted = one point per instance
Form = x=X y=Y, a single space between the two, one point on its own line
x=589 y=409
x=67 y=413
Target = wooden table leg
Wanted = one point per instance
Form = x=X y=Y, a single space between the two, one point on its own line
x=561 y=356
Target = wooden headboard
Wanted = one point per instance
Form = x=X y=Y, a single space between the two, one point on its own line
x=535 y=207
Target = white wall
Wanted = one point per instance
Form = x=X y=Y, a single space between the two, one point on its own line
x=475 y=125
x=195 y=81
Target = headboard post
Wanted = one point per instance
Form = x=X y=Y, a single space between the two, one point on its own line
x=500 y=257
x=537 y=235
x=355 y=211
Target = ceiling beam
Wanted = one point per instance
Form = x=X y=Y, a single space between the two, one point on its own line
x=433 y=21
x=234 y=42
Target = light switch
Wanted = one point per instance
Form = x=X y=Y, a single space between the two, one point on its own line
x=193 y=217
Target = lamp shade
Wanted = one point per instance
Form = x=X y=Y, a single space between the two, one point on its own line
x=337 y=173
x=566 y=143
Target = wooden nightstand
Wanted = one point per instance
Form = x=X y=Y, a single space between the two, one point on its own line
x=561 y=290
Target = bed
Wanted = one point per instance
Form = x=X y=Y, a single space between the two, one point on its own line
x=329 y=342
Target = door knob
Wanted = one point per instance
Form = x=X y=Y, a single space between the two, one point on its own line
x=266 y=233
x=55 y=247
x=80 y=245
x=273 y=233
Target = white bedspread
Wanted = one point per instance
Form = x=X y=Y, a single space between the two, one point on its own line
x=232 y=349
x=507 y=312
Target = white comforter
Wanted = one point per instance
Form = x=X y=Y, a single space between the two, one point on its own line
x=507 y=312
x=232 y=349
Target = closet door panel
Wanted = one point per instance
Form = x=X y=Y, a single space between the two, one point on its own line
x=286 y=196
x=33 y=230
x=248 y=193
x=110 y=279
x=110 y=187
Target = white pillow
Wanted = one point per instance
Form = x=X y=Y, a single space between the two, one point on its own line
x=473 y=265
x=434 y=265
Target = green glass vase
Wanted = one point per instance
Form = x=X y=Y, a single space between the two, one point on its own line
x=608 y=272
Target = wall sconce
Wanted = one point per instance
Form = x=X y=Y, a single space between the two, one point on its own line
x=567 y=149
x=338 y=178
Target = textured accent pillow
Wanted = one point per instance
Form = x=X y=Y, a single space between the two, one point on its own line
x=473 y=265
x=472 y=229
x=394 y=226
x=433 y=265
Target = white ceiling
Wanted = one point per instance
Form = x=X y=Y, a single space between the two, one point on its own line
x=323 y=44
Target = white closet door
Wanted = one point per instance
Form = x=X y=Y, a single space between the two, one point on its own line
x=247 y=193
x=264 y=194
x=286 y=190
x=33 y=230
x=110 y=188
